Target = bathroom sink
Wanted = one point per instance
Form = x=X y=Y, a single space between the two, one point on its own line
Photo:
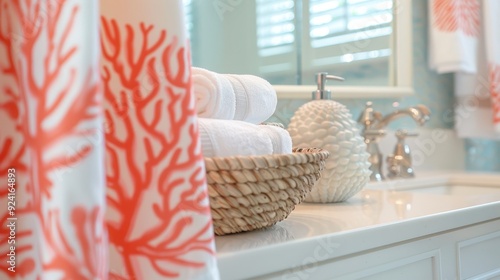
x=456 y=190
x=459 y=184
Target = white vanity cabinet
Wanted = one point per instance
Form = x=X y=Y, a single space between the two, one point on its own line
x=444 y=227
x=471 y=252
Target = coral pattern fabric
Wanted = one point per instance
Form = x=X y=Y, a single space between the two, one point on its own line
x=457 y=15
x=465 y=40
x=494 y=70
x=51 y=139
x=98 y=128
x=491 y=18
x=158 y=210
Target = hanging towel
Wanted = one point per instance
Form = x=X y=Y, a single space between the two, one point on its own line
x=56 y=167
x=158 y=217
x=223 y=138
x=454 y=28
x=491 y=16
x=252 y=98
x=464 y=39
x=473 y=109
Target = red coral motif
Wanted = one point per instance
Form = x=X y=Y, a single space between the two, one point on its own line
x=11 y=151
x=494 y=70
x=155 y=174
x=33 y=95
x=454 y=15
x=87 y=228
x=152 y=145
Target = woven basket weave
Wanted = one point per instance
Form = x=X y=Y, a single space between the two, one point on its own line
x=252 y=192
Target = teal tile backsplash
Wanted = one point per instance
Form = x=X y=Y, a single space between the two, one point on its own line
x=431 y=89
x=482 y=155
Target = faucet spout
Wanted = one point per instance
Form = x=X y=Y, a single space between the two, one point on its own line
x=420 y=113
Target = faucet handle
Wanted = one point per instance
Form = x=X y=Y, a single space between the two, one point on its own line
x=368 y=116
x=399 y=163
x=401 y=134
x=374 y=133
x=371 y=136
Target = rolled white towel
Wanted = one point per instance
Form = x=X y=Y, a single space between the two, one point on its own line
x=256 y=98
x=282 y=142
x=214 y=95
x=223 y=138
x=252 y=98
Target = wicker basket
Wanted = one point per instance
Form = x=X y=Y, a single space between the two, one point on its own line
x=248 y=193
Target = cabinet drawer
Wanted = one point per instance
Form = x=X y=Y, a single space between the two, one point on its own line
x=479 y=257
x=414 y=260
x=423 y=266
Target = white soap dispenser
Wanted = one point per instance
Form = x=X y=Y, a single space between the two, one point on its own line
x=327 y=124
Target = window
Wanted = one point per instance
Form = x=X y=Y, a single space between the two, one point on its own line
x=335 y=32
x=349 y=30
x=275 y=27
x=288 y=41
x=276 y=41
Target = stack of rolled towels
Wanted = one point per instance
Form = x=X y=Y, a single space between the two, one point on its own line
x=231 y=111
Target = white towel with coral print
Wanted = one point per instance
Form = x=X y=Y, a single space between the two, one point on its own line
x=453 y=35
x=158 y=212
x=464 y=38
x=491 y=17
x=51 y=141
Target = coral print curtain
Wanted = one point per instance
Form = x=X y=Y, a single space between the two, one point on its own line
x=465 y=40
x=101 y=171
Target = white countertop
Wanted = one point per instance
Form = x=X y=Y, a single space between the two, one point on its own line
x=381 y=214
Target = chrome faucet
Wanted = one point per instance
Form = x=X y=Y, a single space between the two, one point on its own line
x=419 y=113
x=373 y=129
x=399 y=163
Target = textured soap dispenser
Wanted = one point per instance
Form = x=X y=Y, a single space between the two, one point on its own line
x=327 y=124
